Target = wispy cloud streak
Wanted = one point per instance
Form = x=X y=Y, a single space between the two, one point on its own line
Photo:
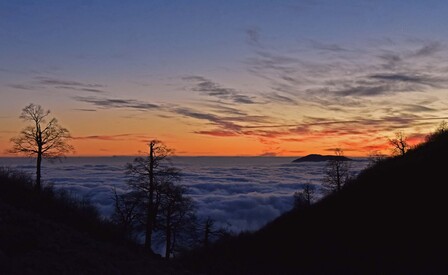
x=207 y=87
x=108 y=103
x=349 y=73
x=70 y=85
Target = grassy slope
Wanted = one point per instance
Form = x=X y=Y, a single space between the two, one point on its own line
x=41 y=233
x=390 y=220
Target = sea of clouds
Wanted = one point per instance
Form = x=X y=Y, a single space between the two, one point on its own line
x=240 y=193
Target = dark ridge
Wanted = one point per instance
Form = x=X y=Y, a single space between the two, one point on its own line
x=391 y=219
x=317 y=157
x=47 y=232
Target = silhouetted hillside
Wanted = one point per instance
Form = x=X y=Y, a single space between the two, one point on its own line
x=390 y=220
x=53 y=233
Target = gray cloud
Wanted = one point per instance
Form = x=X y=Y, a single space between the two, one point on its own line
x=391 y=61
x=417 y=108
x=429 y=49
x=282 y=63
x=349 y=78
x=210 y=88
x=225 y=110
x=91 y=90
x=118 y=137
x=225 y=124
x=194 y=78
x=217 y=133
x=71 y=85
x=384 y=121
x=317 y=127
x=309 y=128
x=214 y=119
x=375 y=85
x=363 y=90
x=276 y=97
x=59 y=82
x=248 y=119
x=45 y=82
x=117 y=103
x=253 y=36
x=409 y=77
x=22 y=87
x=85 y=110
x=327 y=47
x=327 y=98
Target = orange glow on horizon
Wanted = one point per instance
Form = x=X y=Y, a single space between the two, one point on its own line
x=111 y=134
x=197 y=145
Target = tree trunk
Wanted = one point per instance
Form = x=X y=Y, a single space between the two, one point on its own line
x=168 y=237
x=39 y=155
x=38 y=174
x=150 y=217
x=149 y=227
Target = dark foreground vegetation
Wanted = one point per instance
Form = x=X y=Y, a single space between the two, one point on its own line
x=391 y=219
x=49 y=232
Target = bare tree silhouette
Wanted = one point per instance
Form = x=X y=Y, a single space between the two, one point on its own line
x=155 y=202
x=41 y=139
x=176 y=217
x=305 y=197
x=145 y=174
x=212 y=233
x=127 y=212
x=399 y=144
x=337 y=171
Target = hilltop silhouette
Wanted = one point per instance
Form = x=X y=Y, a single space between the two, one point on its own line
x=389 y=220
x=317 y=158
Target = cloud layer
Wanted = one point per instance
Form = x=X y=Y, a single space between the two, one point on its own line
x=243 y=192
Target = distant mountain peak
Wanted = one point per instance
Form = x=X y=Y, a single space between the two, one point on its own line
x=317 y=158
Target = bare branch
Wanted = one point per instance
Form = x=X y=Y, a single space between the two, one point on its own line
x=399 y=144
x=39 y=139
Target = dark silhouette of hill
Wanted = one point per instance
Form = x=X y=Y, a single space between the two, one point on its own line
x=317 y=158
x=46 y=232
x=391 y=219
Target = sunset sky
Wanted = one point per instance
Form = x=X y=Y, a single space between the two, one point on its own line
x=233 y=77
